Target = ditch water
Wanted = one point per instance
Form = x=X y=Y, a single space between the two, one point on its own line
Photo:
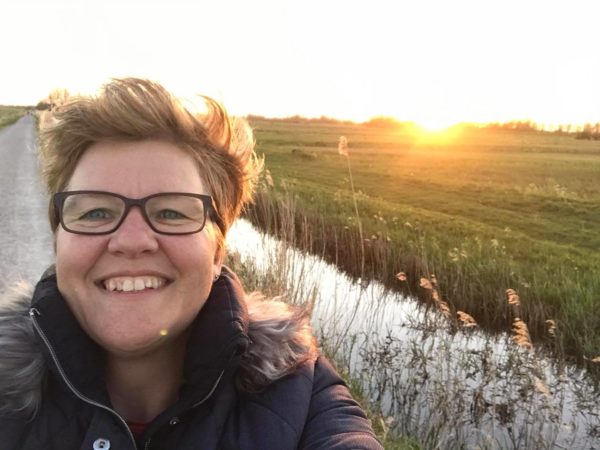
x=453 y=389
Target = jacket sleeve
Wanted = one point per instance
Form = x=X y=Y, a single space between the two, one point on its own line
x=335 y=421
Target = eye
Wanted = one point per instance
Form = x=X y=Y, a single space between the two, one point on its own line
x=96 y=214
x=169 y=214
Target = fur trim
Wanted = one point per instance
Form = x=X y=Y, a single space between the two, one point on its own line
x=22 y=368
x=280 y=340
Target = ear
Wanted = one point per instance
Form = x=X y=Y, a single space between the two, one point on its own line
x=219 y=259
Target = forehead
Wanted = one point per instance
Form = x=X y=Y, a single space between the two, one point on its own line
x=137 y=169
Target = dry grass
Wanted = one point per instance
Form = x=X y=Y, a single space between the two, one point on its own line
x=449 y=384
x=456 y=210
x=10 y=114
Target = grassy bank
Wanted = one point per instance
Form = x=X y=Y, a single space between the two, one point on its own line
x=10 y=114
x=274 y=284
x=416 y=373
x=484 y=211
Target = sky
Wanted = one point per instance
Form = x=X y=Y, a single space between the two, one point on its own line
x=433 y=62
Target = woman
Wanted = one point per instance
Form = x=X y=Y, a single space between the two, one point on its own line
x=140 y=337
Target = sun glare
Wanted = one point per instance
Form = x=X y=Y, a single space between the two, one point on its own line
x=438 y=133
x=435 y=125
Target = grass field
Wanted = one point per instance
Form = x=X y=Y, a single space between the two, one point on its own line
x=10 y=114
x=483 y=210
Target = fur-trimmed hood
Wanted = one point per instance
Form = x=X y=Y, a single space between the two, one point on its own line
x=279 y=336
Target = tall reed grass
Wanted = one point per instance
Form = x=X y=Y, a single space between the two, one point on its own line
x=476 y=286
x=441 y=380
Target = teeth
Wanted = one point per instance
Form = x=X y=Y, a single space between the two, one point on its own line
x=129 y=284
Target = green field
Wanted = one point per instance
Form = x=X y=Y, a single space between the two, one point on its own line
x=483 y=210
x=10 y=114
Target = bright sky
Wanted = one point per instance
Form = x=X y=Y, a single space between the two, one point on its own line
x=434 y=62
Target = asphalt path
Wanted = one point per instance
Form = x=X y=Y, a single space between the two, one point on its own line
x=25 y=237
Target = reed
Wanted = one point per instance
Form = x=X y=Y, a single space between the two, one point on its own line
x=445 y=385
x=273 y=281
x=343 y=150
x=400 y=264
x=466 y=320
x=456 y=209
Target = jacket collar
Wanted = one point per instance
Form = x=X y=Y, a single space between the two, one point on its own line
x=217 y=339
x=272 y=338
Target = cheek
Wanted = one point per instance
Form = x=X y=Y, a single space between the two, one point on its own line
x=189 y=257
x=75 y=255
x=194 y=260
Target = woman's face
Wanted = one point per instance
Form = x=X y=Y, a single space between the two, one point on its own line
x=183 y=267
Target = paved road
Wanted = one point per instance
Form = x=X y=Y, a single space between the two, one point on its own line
x=25 y=238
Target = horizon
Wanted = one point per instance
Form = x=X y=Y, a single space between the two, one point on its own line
x=382 y=121
x=390 y=122
x=428 y=62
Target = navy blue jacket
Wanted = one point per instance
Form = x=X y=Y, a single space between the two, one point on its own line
x=310 y=408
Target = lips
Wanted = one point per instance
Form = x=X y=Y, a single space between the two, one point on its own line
x=133 y=284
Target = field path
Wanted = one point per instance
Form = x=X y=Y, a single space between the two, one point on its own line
x=25 y=238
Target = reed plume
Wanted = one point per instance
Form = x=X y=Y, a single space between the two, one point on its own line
x=466 y=320
x=401 y=276
x=343 y=150
x=432 y=287
x=551 y=325
x=513 y=297
x=521 y=334
x=520 y=330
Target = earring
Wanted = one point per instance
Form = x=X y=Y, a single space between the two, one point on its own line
x=217 y=275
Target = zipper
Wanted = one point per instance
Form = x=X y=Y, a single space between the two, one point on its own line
x=206 y=397
x=212 y=390
x=34 y=312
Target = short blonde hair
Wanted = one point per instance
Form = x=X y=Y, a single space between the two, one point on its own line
x=133 y=109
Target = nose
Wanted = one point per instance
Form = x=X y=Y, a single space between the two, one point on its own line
x=134 y=236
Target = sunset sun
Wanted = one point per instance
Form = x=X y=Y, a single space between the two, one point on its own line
x=434 y=124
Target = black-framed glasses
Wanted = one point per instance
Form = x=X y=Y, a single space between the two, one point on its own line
x=99 y=212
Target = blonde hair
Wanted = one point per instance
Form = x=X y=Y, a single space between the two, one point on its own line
x=134 y=109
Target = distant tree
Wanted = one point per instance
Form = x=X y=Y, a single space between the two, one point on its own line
x=514 y=125
x=383 y=122
x=596 y=131
x=585 y=133
x=252 y=117
x=43 y=106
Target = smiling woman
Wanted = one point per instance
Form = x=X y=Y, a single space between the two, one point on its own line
x=139 y=337
x=132 y=248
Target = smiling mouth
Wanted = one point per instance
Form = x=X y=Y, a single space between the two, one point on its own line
x=133 y=284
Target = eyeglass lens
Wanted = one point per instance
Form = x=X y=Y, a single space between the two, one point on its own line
x=102 y=213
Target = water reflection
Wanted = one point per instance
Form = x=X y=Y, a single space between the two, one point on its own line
x=451 y=388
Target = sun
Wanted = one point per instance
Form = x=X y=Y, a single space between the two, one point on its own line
x=438 y=132
x=435 y=124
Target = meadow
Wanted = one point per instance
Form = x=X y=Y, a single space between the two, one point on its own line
x=10 y=114
x=476 y=211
